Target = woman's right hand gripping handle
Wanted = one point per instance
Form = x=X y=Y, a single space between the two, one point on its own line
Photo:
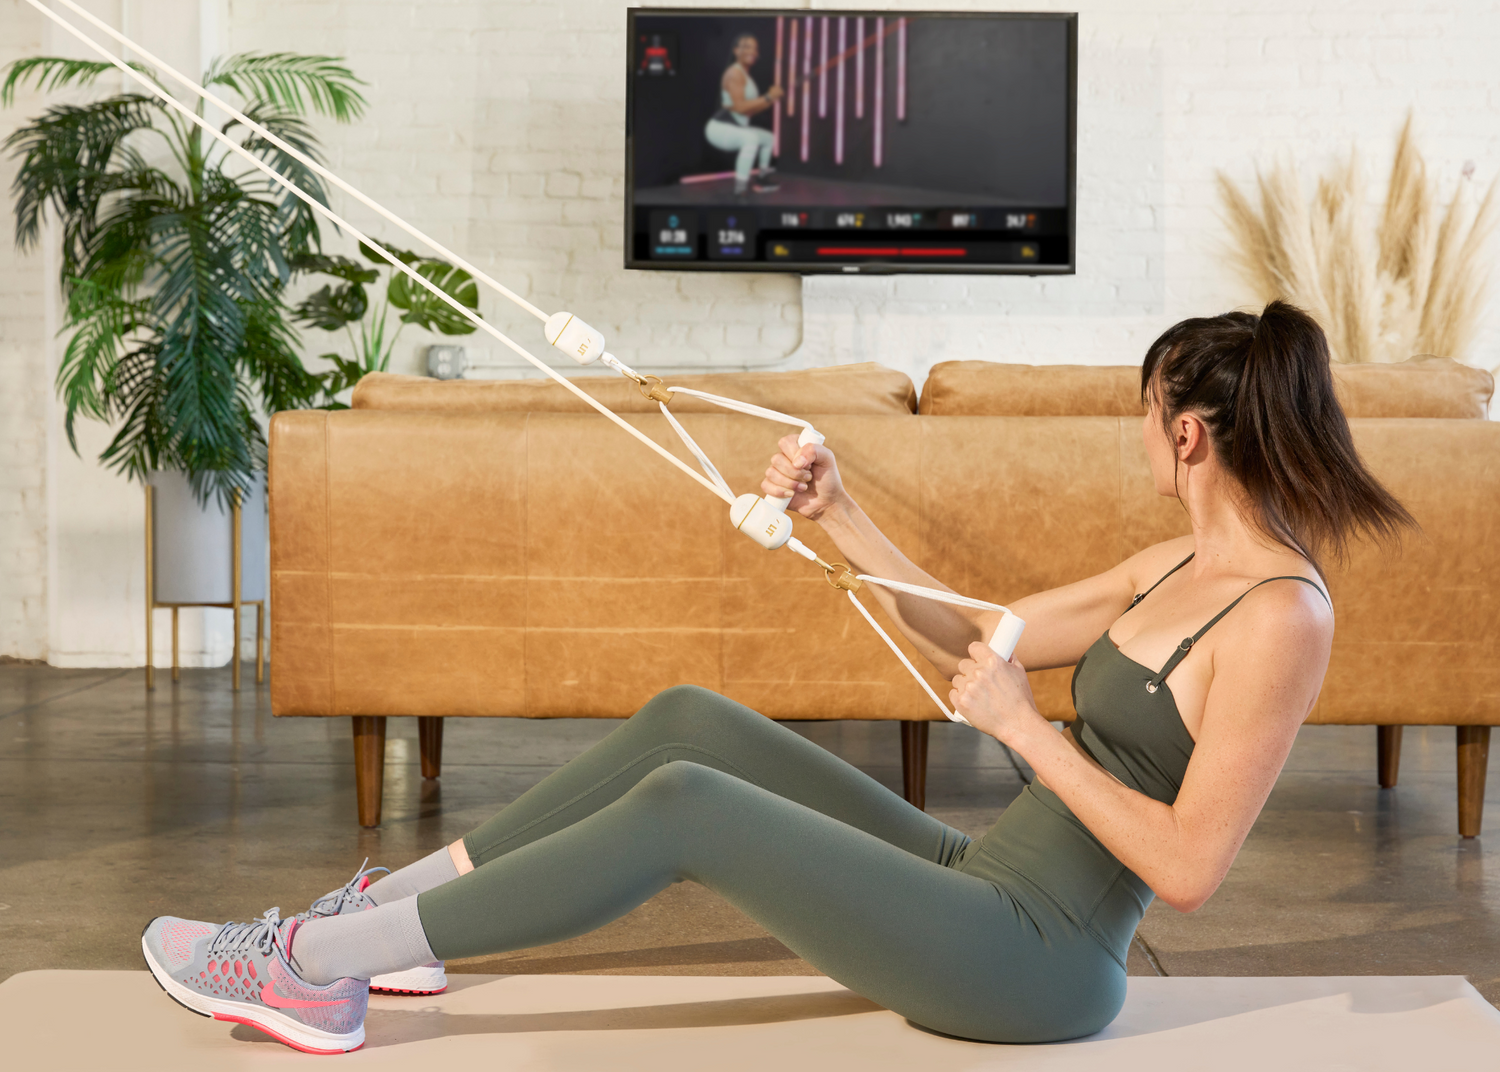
x=809 y=474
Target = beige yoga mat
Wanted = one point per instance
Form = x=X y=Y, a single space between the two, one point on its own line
x=537 y=1023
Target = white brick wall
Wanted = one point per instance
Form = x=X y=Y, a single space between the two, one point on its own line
x=23 y=390
x=497 y=126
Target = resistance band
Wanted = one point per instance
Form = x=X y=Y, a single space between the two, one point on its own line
x=762 y=518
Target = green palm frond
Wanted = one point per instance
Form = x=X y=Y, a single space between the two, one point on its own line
x=136 y=449
x=297 y=218
x=66 y=159
x=292 y=82
x=270 y=358
x=101 y=318
x=54 y=72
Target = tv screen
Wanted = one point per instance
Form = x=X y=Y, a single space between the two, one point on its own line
x=850 y=142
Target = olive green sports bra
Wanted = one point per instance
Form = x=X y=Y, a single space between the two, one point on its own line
x=1128 y=719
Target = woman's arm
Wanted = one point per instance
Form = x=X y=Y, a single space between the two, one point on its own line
x=734 y=85
x=1061 y=622
x=1267 y=670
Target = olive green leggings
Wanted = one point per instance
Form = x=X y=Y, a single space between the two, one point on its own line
x=868 y=889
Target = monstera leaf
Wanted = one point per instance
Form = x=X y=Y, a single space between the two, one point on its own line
x=332 y=308
x=426 y=309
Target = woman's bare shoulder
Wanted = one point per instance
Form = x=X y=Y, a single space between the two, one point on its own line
x=1146 y=567
x=1299 y=609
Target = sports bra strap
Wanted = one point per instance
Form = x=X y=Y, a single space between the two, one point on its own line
x=1154 y=587
x=1187 y=644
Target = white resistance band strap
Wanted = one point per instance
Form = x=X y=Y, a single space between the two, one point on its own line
x=744 y=407
x=952 y=716
x=292 y=188
x=692 y=445
x=732 y=404
x=1007 y=633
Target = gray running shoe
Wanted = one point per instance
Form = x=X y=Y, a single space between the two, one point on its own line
x=242 y=972
x=424 y=980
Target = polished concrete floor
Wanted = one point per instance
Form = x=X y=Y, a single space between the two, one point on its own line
x=117 y=805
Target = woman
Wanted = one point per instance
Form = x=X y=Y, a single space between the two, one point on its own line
x=730 y=128
x=1020 y=936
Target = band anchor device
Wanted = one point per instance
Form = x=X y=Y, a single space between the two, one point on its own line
x=761 y=518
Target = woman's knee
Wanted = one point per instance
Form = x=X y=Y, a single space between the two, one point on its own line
x=684 y=785
x=684 y=711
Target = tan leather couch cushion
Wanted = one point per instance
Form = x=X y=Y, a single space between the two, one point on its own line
x=864 y=388
x=997 y=389
x=1421 y=387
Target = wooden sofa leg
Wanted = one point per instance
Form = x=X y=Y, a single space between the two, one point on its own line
x=369 y=766
x=430 y=733
x=914 y=762
x=1387 y=755
x=1473 y=765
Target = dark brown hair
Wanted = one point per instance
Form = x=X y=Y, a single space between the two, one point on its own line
x=1263 y=387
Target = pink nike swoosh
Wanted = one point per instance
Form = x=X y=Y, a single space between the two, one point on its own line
x=278 y=1001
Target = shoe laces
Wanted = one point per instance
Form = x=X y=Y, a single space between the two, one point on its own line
x=264 y=934
x=332 y=903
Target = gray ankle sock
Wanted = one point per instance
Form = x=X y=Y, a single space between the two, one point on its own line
x=429 y=871
x=388 y=938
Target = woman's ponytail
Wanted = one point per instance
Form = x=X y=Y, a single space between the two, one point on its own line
x=1263 y=387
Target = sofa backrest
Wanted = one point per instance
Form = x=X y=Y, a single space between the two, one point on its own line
x=1421 y=387
x=852 y=389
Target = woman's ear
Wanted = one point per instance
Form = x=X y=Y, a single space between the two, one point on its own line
x=1189 y=438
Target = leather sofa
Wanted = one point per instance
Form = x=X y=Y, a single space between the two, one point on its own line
x=494 y=549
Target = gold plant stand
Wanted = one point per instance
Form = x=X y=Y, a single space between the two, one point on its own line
x=234 y=604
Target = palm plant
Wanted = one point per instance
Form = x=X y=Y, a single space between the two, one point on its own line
x=345 y=306
x=175 y=258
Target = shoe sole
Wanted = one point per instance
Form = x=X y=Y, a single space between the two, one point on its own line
x=281 y=1028
x=419 y=982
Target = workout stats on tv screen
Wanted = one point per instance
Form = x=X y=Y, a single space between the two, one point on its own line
x=850 y=142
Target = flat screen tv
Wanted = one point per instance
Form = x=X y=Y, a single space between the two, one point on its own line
x=843 y=141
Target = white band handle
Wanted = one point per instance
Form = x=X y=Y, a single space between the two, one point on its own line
x=1007 y=635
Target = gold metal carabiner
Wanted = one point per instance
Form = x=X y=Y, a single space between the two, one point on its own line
x=841 y=576
x=651 y=387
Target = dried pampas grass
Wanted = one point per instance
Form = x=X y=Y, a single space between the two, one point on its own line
x=1418 y=288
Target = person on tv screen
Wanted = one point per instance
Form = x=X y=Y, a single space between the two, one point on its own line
x=730 y=128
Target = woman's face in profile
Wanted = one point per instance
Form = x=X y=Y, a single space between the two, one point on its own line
x=746 y=52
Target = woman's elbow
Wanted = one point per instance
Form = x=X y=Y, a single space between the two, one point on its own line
x=1183 y=903
x=1187 y=894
